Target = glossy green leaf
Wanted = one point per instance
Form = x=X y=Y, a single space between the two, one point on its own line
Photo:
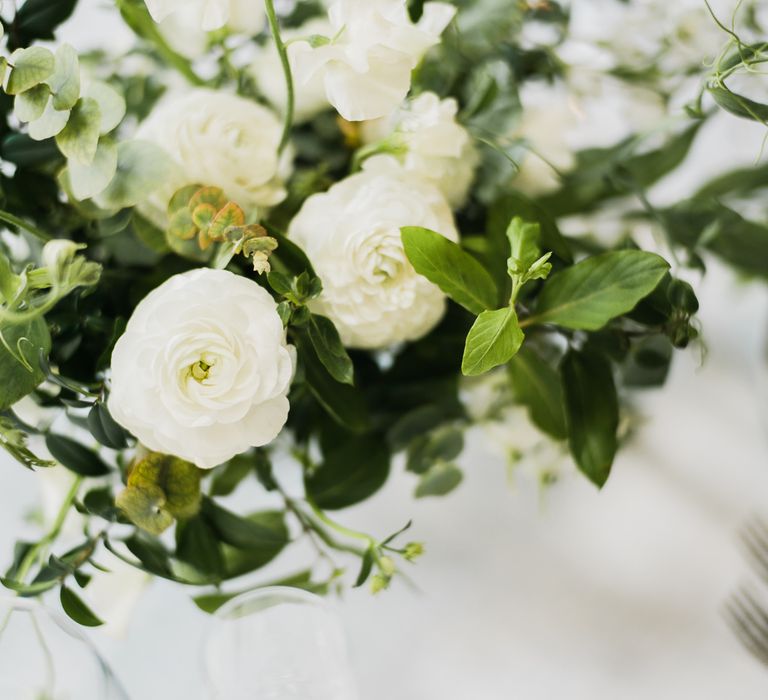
x=75 y=457
x=455 y=271
x=538 y=387
x=592 y=413
x=330 y=350
x=37 y=19
x=493 y=340
x=244 y=532
x=592 y=292
x=104 y=428
x=349 y=473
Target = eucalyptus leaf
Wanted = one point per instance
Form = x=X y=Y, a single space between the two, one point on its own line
x=31 y=67
x=65 y=81
x=31 y=104
x=598 y=289
x=592 y=413
x=79 y=139
x=87 y=181
x=111 y=104
x=493 y=340
x=50 y=124
x=455 y=271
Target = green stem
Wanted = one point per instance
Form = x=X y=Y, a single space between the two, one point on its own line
x=34 y=553
x=274 y=27
x=9 y=218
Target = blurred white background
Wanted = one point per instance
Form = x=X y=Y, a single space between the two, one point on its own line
x=579 y=595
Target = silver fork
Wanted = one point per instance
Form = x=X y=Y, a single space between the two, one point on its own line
x=745 y=614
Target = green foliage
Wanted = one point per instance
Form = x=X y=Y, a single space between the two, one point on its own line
x=20 y=346
x=598 y=289
x=14 y=441
x=493 y=340
x=73 y=605
x=79 y=139
x=30 y=67
x=329 y=348
x=592 y=413
x=37 y=19
x=439 y=480
x=75 y=457
x=455 y=271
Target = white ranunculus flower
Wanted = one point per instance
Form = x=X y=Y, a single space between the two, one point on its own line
x=203 y=369
x=218 y=139
x=244 y=16
x=310 y=98
x=366 y=67
x=438 y=148
x=352 y=236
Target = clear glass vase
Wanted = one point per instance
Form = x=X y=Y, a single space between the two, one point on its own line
x=43 y=656
x=278 y=644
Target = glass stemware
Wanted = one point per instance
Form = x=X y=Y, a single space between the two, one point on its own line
x=278 y=643
x=45 y=657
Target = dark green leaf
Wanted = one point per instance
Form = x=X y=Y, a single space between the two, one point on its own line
x=592 y=292
x=739 y=105
x=198 y=546
x=592 y=413
x=228 y=477
x=27 y=341
x=441 y=445
x=330 y=350
x=455 y=271
x=104 y=428
x=538 y=386
x=37 y=19
x=365 y=568
x=253 y=532
x=77 y=609
x=350 y=472
x=75 y=457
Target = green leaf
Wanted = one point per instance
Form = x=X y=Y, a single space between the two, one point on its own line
x=493 y=340
x=253 y=532
x=198 y=546
x=330 y=350
x=345 y=404
x=592 y=292
x=77 y=609
x=227 y=477
x=440 y=480
x=50 y=124
x=538 y=387
x=142 y=167
x=22 y=150
x=739 y=105
x=75 y=457
x=37 y=19
x=440 y=445
x=104 y=428
x=31 y=104
x=26 y=341
x=592 y=413
x=455 y=271
x=87 y=181
x=65 y=81
x=79 y=139
x=31 y=67
x=111 y=105
x=351 y=471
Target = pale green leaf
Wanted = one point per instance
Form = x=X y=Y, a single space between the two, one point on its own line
x=142 y=167
x=455 y=271
x=111 y=104
x=592 y=292
x=31 y=67
x=440 y=480
x=65 y=81
x=87 y=181
x=30 y=105
x=79 y=139
x=493 y=340
x=51 y=123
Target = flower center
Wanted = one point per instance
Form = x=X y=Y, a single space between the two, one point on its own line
x=200 y=370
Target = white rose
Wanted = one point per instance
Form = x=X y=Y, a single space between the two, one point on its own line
x=203 y=369
x=221 y=140
x=267 y=69
x=244 y=16
x=438 y=148
x=374 y=47
x=352 y=236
